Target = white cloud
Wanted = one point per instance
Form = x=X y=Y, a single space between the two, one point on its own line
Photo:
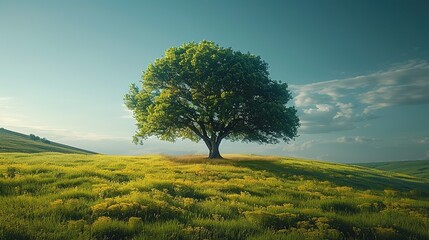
x=424 y=140
x=299 y=146
x=426 y=155
x=345 y=110
x=356 y=139
x=339 y=105
x=318 y=108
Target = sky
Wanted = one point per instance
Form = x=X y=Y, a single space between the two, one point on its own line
x=358 y=70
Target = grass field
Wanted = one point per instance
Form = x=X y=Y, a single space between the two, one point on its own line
x=72 y=196
x=418 y=168
x=11 y=141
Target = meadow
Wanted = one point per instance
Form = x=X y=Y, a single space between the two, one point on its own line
x=77 y=196
x=418 y=168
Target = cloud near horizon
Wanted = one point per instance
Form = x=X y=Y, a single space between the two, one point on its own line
x=339 y=105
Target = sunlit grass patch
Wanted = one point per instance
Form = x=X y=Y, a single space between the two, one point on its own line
x=106 y=228
x=60 y=196
x=225 y=229
x=342 y=207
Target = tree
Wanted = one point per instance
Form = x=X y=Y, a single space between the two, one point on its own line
x=201 y=91
x=34 y=137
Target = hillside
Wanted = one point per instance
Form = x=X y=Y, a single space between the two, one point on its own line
x=72 y=196
x=11 y=141
x=417 y=168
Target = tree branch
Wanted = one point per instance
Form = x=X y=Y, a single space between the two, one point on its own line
x=205 y=138
x=229 y=127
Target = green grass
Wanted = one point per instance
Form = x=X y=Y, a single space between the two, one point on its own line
x=75 y=196
x=417 y=168
x=16 y=142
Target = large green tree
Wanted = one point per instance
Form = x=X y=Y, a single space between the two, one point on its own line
x=201 y=91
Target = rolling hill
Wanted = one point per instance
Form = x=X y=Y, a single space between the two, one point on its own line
x=74 y=196
x=417 y=168
x=11 y=141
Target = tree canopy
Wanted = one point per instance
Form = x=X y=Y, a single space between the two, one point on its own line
x=201 y=91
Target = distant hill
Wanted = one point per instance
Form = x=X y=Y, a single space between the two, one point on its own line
x=11 y=141
x=417 y=168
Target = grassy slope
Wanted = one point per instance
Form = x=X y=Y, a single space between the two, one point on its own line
x=71 y=196
x=16 y=142
x=418 y=168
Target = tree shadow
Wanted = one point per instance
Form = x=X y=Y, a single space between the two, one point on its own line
x=358 y=177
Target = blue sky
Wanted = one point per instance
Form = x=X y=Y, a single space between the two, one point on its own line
x=359 y=70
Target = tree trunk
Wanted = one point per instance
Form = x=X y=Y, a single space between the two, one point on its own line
x=214 y=150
